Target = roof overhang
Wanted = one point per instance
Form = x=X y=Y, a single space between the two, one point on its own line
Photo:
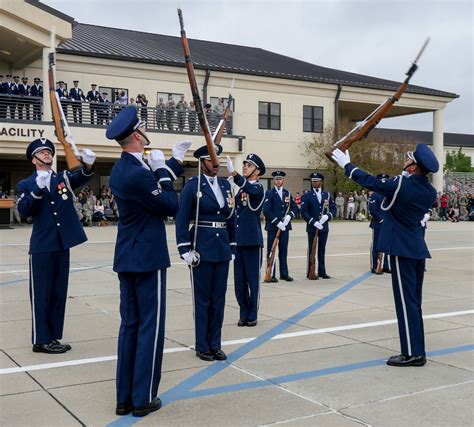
x=25 y=30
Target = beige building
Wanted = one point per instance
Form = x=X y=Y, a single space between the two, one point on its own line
x=280 y=102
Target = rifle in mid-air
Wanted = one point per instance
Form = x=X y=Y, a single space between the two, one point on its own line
x=60 y=124
x=362 y=129
x=195 y=92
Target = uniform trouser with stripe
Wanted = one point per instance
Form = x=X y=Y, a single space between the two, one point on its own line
x=49 y=275
x=209 y=283
x=322 y=240
x=282 y=250
x=407 y=284
x=247 y=263
x=141 y=336
x=374 y=254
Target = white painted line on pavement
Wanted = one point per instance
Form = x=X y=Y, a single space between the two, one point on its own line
x=227 y=343
x=459 y=248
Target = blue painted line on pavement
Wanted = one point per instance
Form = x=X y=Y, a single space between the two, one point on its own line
x=313 y=374
x=129 y=420
x=10 y=282
x=182 y=390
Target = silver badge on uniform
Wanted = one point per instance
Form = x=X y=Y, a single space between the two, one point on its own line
x=64 y=196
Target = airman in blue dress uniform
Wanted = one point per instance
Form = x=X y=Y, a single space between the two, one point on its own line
x=279 y=209
x=375 y=224
x=48 y=197
x=407 y=199
x=249 y=200
x=145 y=198
x=206 y=202
x=317 y=209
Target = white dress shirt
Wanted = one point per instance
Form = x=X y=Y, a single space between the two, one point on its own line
x=214 y=184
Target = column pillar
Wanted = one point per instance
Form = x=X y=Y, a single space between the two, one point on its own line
x=47 y=116
x=438 y=147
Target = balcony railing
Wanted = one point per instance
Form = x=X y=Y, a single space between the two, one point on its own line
x=14 y=107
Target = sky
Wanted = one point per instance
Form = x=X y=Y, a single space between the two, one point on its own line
x=379 y=38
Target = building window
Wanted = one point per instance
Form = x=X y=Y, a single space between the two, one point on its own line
x=165 y=96
x=312 y=119
x=115 y=93
x=269 y=115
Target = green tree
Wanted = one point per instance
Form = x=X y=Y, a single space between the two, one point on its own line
x=457 y=161
x=379 y=153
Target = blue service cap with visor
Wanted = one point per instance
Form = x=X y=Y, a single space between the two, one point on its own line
x=124 y=124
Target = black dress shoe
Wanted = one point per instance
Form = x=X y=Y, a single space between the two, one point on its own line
x=219 y=354
x=51 y=348
x=141 y=411
x=373 y=271
x=252 y=323
x=205 y=355
x=402 y=360
x=242 y=322
x=66 y=346
x=287 y=278
x=274 y=280
x=325 y=276
x=387 y=270
x=123 y=408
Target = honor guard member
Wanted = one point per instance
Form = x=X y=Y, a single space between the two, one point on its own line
x=317 y=209
x=77 y=96
x=279 y=209
x=206 y=203
x=407 y=199
x=375 y=224
x=63 y=96
x=48 y=197
x=145 y=198
x=248 y=235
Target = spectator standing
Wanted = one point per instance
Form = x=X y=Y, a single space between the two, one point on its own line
x=192 y=117
x=182 y=107
x=104 y=110
x=93 y=97
x=142 y=102
x=443 y=201
x=160 y=114
x=350 y=206
x=298 y=203
x=340 y=206
x=37 y=92
x=63 y=96
x=14 y=90
x=363 y=204
x=24 y=104
x=170 y=107
x=77 y=97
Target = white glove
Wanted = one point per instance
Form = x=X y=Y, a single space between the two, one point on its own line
x=318 y=225
x=233 y=257
x=281 y=226
x=323 y=219
x=341 y=158
x=286 y=220
x=230 y=165
x=88 y=156
x=180 y=148
x=156 y=159
x=42 y=178
x=425 y=219
x=189 y=257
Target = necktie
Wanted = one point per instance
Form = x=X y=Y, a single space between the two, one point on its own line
x=211 y=180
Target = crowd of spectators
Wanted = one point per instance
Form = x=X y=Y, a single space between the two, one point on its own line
x=92 y=209
x=170 y=115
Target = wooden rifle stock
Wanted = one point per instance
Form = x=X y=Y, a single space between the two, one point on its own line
x=195 y=92
x=271 y=258
x=380 y=259
x=312 y=273
x=363 y=129
x=223 y=124
x=58 y=116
